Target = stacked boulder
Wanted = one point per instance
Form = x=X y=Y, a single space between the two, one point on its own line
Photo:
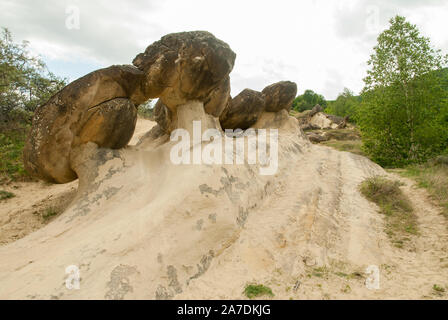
x=101 y=106
x=244 y=110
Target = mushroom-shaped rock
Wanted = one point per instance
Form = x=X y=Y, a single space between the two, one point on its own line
x=243 y=110
x=186 y=66
x=98 y=107
x=280 y=96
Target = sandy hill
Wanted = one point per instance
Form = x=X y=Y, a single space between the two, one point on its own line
x=143 y=228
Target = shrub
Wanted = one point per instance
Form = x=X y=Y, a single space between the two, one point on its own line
x=401 y=222
x=257 y=290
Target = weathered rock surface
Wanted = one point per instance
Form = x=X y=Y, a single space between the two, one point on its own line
x=317 y=108
x=110 y=124
x=181 y=67
x=90 y=101
x=322 y=120
x=243 y=110
x=100 y=107
x=280 y=96
x=317 y=119
x=218 y=98
x=163 y=116
x=186 y=66
x=316 y=138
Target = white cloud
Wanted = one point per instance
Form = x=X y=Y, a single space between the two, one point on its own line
x=320 y=44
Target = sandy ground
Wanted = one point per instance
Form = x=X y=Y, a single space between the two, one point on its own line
x=142 y=127
x=143 y=228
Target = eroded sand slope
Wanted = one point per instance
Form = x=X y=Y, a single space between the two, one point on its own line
x=143 y=228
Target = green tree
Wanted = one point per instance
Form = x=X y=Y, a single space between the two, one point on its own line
x=308 y=100
x=403 y=102
x=346 y=104
x=25 y=82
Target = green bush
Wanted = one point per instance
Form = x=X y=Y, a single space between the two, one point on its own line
x=346 y=105
x=401 y=222
x=12 y=142
x=257 y=290
x=6 y=195
x=308 y=100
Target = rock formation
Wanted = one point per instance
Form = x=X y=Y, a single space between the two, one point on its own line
x=279 y=96
x=317 y=119
x=187 y=66
x=100 y=107
x=243 y=110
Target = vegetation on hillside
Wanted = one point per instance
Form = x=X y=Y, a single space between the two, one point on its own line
x=401 y=222
x=345 y=105
x=404 y=110
x=433 y=176
x=25 y=83
x=146 y=110
x=308 y=100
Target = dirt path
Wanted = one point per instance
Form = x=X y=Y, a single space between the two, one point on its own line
x=427 y=265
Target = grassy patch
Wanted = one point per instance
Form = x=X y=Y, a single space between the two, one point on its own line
x=353 y=146
x=401 y=222
x=256 y=290
x=49 y=213
x=438 y=288
x=342 y=274
x=6 y=195
x=346 y=289
x=320 y=272
x=432 y=176
x=12 y=142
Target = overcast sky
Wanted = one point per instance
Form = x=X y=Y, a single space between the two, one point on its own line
x=321 y=45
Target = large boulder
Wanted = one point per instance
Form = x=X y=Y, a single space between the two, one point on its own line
x=243 y=110
x=316 y=138
x=111 y=124
x=316 y=109
x=280 y=96
x=186 y=66
x=98 y=107
x=322 y=120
